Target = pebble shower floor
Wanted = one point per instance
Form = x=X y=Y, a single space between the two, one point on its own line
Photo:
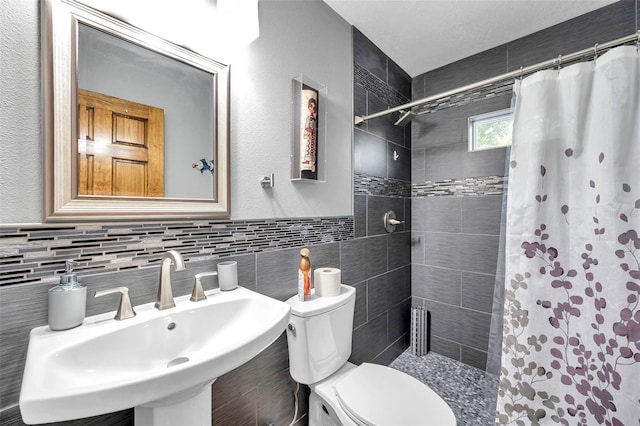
x=470 y=392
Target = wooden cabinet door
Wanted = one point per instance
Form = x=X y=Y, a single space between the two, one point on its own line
x=120 y=147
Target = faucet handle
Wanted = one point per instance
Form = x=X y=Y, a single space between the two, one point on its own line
x=198 y=294
x=125 y=310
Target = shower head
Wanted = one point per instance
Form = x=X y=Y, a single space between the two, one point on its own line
x=405 y=117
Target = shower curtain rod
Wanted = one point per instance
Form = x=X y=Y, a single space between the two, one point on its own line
x=517 y=73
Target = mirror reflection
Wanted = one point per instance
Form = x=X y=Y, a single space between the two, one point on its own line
x=145 y=121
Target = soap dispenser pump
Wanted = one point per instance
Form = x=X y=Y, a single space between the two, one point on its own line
x=67 y=301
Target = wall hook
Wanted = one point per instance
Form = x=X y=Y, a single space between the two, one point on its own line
x=267 y=181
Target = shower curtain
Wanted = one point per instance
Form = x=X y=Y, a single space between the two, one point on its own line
x=571 y=342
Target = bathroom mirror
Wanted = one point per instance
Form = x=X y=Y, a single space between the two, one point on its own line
x=134 y=126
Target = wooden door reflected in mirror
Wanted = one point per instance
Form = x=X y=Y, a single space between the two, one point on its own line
x=120 y=147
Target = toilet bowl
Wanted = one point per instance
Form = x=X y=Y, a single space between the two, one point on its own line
x=319 y=340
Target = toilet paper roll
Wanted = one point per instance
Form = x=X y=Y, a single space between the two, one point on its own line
x=327 y=282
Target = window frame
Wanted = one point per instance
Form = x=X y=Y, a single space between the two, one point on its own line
x=488 y=117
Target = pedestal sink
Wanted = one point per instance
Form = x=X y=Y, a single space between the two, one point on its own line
x=161 y=362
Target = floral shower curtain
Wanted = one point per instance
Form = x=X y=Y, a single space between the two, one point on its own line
x=571 y=343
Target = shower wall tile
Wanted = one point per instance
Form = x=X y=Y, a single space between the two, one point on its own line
x=377 y=207
x=440 y=214
x=387 y=291
x=377 y=255
x=445 y=320
x=488 y=162
x=378 y=290
x=398 y=79
x=443 y=249
x=369 y=154
x=399 y=320
x=407 y=214
x=437 y=128
x=360 y=310
x=369 y=56
x=469 y=70
x=473 y=357
x=475 y=329
x=445 y=347
x=418 y=165
x=417 y=247
x=400 y=280
x=477 y=291
x=445 y=162
x=369 y=340
x=357 y=257
x=393 y=351
x=359 y=100
x=384 y=127
x=480 y=253
x=481 y=215
x=407 y=135
x=608 y=23
x=360 y=215
x=436 y=284
x=417 y=87
x=399 y=253
x=398 y=162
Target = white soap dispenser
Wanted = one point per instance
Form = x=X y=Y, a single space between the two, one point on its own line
x=67 y=301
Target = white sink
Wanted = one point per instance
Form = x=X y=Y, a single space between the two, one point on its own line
x=158 y=358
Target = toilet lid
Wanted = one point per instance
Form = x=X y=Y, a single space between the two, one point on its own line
x=381 y=396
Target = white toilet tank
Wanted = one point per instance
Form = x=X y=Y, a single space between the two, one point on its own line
x=319 y=335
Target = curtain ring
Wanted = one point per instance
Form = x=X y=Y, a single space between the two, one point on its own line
x=521 y=73
x=595 y=52
x=638 y=41
x=559 y=59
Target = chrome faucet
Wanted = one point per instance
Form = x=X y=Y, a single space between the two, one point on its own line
x=164 y=299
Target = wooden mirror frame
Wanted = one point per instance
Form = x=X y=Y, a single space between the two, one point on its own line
x=59 y=21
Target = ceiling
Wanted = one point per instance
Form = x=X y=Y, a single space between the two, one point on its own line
x=421 y=35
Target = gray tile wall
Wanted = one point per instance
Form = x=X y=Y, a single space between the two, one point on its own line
x=259 y=392
x=379 y=262
x=455 y=220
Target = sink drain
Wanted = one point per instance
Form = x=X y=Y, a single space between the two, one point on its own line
x=177 y=361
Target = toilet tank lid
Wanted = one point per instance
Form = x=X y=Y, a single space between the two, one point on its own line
x=316 y=305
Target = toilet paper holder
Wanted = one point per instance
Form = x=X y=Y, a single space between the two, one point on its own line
x=390 y=221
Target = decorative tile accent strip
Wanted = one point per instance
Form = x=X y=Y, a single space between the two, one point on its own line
x=486 y=185
x=463 y=98
x=378 y=87
x=371 y=185
x=37 y=253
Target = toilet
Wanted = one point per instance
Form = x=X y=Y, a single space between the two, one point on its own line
x=319 y=340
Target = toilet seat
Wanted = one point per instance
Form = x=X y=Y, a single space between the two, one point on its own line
x=376 y=395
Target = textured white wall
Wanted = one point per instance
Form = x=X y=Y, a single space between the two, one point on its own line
x=295 y=37
x=20 y=135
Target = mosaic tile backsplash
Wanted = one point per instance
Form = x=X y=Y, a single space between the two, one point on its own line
x=37 y=253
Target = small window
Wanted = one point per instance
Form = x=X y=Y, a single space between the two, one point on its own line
x=490 y=130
